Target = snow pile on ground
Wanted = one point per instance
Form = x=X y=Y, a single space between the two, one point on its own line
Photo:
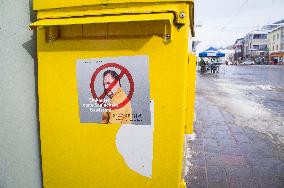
x=247 y=112
x=266 y=87
x=188 y=153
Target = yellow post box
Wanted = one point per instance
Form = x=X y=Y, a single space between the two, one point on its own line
x=116 y=91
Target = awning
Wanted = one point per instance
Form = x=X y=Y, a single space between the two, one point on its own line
x=211 y=52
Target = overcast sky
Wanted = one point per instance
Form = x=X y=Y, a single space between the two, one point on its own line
x=223 y=21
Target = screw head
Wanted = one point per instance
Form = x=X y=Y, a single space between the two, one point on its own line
x=167 y=37
x=182 y=15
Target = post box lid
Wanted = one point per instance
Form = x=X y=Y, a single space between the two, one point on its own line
x=45 y=4
x=103 y=19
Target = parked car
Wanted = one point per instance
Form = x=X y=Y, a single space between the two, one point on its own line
x=228 y=62
x=248 y=62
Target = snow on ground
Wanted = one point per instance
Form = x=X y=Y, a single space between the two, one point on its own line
x=232 y=97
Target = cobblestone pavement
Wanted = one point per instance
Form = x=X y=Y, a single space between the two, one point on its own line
x=225 y=154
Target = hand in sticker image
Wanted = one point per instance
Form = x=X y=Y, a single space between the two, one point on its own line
x=113 y=90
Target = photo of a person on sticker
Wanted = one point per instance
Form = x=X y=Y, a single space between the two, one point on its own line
x=116 y=94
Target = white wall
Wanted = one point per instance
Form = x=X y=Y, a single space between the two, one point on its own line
x=19 y=138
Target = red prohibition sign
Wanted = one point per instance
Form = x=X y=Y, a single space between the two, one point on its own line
x=102 y=96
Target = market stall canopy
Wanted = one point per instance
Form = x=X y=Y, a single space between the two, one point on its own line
x=211 y=52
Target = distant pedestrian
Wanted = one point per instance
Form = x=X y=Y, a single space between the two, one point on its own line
x=213 y=68
x=203 y=66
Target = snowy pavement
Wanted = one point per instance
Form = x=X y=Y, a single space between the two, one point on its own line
x=239 y=129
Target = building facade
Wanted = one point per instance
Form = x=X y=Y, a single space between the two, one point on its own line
x=239 y=50
x=276 y=45
x=255 y=47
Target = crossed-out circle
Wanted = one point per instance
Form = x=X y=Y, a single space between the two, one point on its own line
x=123 y=71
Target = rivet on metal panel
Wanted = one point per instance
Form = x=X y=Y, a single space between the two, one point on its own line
x=167 y=35
x=182 y=15
x=167 y=38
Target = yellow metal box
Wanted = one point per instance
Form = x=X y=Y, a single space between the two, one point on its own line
x=116 y=92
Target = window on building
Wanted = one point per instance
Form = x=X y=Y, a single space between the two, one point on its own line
x=277 y=35
x=276 y=47
x=273 y=37
x=255 y=47
x=272 y=48
x=262 y=46
x=259 y=36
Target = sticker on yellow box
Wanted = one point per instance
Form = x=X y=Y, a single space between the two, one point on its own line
x=114 y=90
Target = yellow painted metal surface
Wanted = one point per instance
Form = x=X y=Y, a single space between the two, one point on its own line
x=43 y=4
x=104 y=19
x=113 y=9
x=190 y=93
x=121 y=9
x=85 y=155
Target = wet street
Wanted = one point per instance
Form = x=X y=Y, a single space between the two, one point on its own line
x=239 y=129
